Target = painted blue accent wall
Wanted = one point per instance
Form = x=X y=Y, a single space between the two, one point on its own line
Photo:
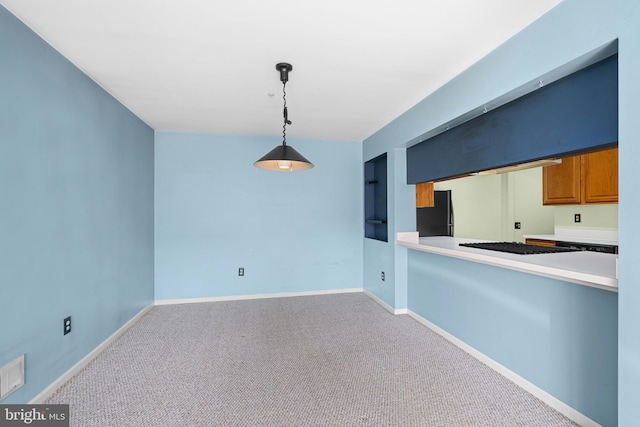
x=558 y=335
x=571 y=30
x=216 y=212
x=76 y=216
x=576 y=113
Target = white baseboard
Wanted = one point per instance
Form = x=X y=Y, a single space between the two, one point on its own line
x=547 y=398
x=255 y=296
x=62 y=379
x=384 y=304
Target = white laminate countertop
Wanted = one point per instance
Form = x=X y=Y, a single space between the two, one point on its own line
x=585 y=268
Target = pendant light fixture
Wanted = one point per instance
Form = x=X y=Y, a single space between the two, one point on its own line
x=284 y=158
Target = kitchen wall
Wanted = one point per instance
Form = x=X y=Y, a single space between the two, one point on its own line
x=601 y=217
x=524 y=204
x=216 y=212
x=487 y=206
x=76 y=223
x=477 y=206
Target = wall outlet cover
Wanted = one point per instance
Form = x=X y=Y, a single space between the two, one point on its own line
x=11 y=376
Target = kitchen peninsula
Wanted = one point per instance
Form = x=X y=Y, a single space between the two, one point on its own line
x=585 y=268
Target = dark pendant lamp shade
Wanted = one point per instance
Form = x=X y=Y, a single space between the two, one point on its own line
x=283 y=158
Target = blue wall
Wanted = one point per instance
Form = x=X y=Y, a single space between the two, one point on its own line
x=569 y=31
x=76 y=222
x=216 y=212
x=387 y=256
x=559 y=336
x=629 y=154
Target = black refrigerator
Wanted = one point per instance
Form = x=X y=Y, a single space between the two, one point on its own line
x=436 y=220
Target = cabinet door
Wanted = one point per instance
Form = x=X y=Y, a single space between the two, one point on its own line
x=561 y=182
x=600 y=176
x=424 y=195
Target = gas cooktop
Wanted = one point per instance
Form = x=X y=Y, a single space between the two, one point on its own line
x=518 y=248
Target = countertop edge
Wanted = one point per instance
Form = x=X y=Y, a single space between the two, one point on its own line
x=600 y=282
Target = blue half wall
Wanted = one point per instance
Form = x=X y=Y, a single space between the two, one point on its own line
x=560 y=336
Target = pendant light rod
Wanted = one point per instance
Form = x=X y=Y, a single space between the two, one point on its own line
x=285 y=114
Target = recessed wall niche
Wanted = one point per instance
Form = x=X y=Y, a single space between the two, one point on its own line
x=375 y=198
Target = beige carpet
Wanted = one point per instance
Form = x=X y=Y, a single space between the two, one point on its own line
x=331 y=360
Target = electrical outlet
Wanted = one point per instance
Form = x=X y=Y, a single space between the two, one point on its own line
x=576 y=218
x=241 y=271
x=382 y=275
x=67 y=325
x=518 y=225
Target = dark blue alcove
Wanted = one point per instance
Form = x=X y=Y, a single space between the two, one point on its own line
x=375 y=198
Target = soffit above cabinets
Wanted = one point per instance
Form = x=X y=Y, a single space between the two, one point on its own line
x=576 y=113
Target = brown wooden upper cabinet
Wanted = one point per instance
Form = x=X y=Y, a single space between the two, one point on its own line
x=424 y=195
x=600 y=176
x=581 y=179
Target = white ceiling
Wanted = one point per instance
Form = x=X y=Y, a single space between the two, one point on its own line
x=209 y=65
